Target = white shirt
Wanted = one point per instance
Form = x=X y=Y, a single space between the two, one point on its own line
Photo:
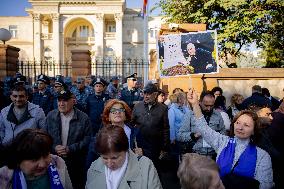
x=113 y=178
x=65 y=121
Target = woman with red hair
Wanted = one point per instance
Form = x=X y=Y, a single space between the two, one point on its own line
x=117 y=112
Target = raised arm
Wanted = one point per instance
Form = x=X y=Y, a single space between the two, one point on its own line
x=213 y=138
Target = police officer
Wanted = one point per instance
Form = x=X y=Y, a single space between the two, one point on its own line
x=130 y=94
x=113 y=88
x=59 y=86
x=95 y=103
x=81 y=93
x=43 y=96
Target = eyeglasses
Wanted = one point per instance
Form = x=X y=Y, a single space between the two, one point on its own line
x=114 y=110
x=57 y=86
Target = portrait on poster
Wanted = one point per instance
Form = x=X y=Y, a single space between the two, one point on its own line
x=187 y=53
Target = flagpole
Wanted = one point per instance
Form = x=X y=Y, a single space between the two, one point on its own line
x=146 y=59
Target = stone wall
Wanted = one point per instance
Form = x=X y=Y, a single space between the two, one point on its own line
x=231 y=80
x=8 y=60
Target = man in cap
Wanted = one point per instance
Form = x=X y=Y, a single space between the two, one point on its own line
x=43 y=96
x=155 y=82
x=21 y=80
x=113 y=88
x=19 y=115
x=95 y=103
x=151 y=119
x=81 y=93
x=59 y=86
x=70 y=129
x=130 y=94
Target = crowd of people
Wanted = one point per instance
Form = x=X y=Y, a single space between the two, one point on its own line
x=98 y=134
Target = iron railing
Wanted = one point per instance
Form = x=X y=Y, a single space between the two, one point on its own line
x=100 y=67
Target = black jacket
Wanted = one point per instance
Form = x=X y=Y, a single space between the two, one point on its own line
x=153 y=128
x=79 y=136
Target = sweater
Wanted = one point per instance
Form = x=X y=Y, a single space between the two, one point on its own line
x=263 y=170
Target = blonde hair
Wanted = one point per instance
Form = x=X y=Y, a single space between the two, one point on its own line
x=235 y=98
x=177 y=97
x=195 y=171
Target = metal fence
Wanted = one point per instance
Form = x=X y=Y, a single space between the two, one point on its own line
x=105 y=68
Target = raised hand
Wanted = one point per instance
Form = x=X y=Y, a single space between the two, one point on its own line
x=192 y=97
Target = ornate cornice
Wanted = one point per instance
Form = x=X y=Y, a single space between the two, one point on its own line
x=99 y=16
x=77 y=2
x=118 y=16
x=36 y=16
x=55 y=16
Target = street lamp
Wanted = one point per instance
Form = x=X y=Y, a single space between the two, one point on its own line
x=5 y=35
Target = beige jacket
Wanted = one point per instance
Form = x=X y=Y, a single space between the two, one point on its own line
x=140 y=174
x=6 y=174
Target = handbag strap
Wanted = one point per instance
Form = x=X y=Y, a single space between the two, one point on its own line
x=236 y=164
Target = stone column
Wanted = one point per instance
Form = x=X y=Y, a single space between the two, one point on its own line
x=118 y=35
x=56 y=38
x=99 y=34
x=8 y=60
x=37 y=38
x=81 y=63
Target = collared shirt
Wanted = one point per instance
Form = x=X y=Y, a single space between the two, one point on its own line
x=65 y=121
x=127 y=131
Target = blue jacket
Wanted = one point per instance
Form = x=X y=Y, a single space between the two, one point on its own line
x=188 y=128
x=176 y=116
x=94 y=108
x=113 y=91
x=81 y=97
x=9 y=126
x=129 y=96
x=256 y=99
x=44 y=100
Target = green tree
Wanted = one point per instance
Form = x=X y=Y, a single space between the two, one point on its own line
x=238 y=22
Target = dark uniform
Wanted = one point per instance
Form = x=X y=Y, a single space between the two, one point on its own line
x=81 y=96
x=44 y=99
x=58 y=81
x=95 y=106
x=130 y=96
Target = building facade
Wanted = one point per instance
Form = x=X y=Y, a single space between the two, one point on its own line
x=54 y=28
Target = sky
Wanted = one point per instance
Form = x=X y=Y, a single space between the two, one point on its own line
x=17 y=7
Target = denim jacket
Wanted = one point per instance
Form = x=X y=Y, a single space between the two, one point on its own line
x=188 y=126
x=176 y=115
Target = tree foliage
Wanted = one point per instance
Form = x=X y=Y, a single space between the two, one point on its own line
x=238 y=22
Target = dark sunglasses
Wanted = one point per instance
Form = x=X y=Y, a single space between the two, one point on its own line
x=114 y=110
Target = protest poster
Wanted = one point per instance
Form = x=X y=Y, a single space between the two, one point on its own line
x=187 y=53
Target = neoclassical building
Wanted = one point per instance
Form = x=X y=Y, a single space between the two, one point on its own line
x=56 y=27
